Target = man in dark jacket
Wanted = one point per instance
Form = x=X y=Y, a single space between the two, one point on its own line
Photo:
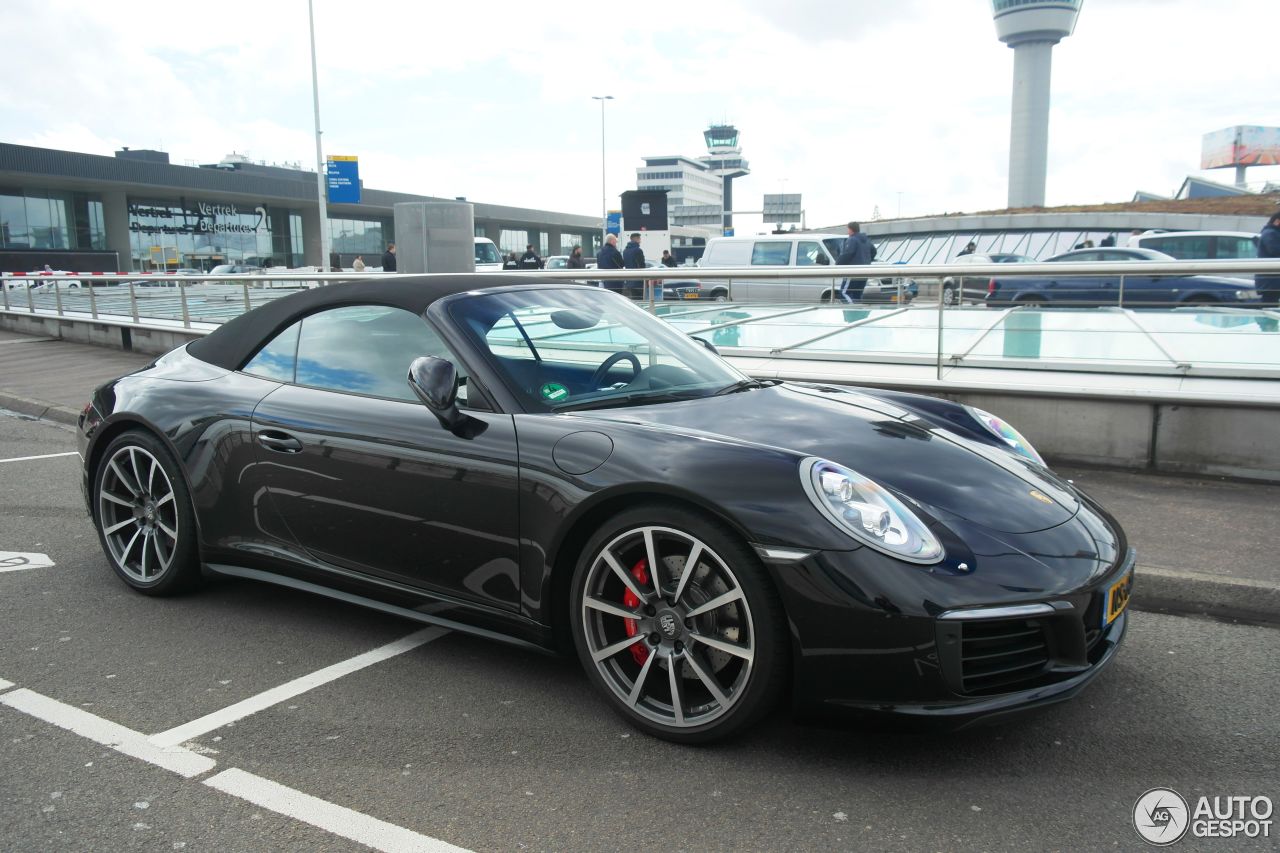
x=389 y=258
x=576 y=261
x=530 y=260
x=633 y=259
x=609 y=258
x=1269 y=247
x=857 y=249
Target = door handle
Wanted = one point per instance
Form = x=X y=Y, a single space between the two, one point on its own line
x=279 y=441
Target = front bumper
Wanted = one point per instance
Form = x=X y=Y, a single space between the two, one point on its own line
x=903 y=651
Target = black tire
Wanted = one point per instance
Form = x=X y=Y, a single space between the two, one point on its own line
x=142 y=511
x=676 y=639
x=1030 y=302
x=948 y=295
x=720 y=295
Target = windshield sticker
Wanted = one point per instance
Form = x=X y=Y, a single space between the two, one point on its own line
x=554 y=392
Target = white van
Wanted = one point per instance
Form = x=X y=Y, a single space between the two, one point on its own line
x=1201 y=245
x=487 y=257
x=783 y=251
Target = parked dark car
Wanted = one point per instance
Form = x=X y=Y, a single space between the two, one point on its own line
x=971 y=287
x=551 y=466
x=1141 y=289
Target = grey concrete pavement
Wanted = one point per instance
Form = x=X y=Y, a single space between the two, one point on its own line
x=1202 y=543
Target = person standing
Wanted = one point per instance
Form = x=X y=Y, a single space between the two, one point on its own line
x=335 y=262
x=511 y=263
x=633 y=259
x=389 y=258
x=576 y=261
x=668 y=260
x=358 y=264
x=856 y=251
x=609 y=258
x=1269 y=247
x=530 y=260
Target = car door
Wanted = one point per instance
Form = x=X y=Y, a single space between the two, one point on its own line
x=1081 y=289
x=771 y=253
x=364 y=476
x=810 y=253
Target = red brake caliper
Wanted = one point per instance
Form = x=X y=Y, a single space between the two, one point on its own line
x=629 y=600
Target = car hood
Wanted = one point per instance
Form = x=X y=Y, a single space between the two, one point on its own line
x=882 y=440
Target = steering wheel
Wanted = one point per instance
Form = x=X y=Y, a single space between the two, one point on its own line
x=603 y=370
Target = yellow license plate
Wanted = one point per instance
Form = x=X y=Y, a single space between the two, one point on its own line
x=1117 y=599
x=691 y=296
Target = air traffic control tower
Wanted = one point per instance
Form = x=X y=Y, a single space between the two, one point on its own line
x=1031 y=28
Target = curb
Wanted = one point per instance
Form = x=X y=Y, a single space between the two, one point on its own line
x=1161 y=590
x=39 y=409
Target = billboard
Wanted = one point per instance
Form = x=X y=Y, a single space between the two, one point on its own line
x=644 y=210
x=343 y=175
x=613 y=222
x=1242 y=145
x=782 y=207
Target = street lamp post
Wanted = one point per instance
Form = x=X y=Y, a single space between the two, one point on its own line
x=604 y=207
x=320 y=170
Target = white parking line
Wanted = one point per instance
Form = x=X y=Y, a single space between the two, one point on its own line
x=254 y=704
x=20 y=561
x=336 y=819
x=174 y=759
x=45 y=456
x=5 y=685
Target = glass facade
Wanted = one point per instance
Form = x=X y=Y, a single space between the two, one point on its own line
x=367 y=237
x=943 y=248
x=201 y=235
x=38 y=219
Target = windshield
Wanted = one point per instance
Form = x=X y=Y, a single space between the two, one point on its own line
x=487 y=253
x=576 y=348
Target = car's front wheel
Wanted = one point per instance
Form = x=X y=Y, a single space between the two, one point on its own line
x=144 y=516
x=677 y=623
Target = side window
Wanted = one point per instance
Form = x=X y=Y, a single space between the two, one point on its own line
x=366 y=349
x=1237 y=247
x=1183 y=248
x=772 y=254
x=809 y=253
x=277 y=359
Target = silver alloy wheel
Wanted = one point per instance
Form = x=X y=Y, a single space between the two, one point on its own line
x=138 y=511
x=948 y=296
x=689 y=618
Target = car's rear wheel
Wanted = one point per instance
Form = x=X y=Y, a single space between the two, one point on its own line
x=1030 y=302
x=948 y=295
x=678 y=625
x=143 y=514
x=720 y=295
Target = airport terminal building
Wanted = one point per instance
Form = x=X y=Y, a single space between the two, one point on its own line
x=138 y=211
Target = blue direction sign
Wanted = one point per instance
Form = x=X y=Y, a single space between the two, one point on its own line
x=344 y=179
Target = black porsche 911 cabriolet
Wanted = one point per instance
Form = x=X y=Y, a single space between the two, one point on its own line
x=549 y=465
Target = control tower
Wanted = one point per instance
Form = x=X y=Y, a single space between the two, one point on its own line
x=724 y=159
x=1031 y=28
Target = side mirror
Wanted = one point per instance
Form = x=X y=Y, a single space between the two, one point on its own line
x=435 y=382
x=706 y=343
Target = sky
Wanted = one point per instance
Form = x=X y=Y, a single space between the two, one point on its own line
x=895 y=107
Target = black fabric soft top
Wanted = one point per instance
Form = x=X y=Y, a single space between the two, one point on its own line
x=232 y=344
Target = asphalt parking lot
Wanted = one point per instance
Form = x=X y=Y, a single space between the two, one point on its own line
x=217 y=742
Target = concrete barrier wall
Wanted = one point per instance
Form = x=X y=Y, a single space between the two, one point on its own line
x=153 y=341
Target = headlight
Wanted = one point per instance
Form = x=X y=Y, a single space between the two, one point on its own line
x=1005 y=433
x=867 y=511
x=1246 y=294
